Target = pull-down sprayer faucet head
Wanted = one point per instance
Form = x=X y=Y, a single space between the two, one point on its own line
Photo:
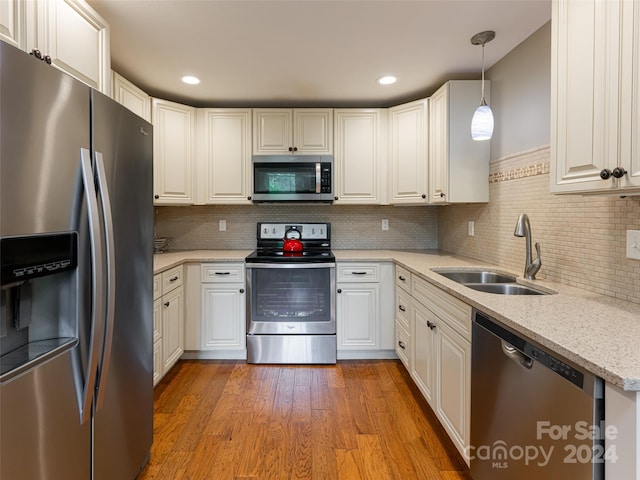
x=523 y=227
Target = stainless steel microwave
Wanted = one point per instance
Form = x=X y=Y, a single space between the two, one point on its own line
x=288 y=178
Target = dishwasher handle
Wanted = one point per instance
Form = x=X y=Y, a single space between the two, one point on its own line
x=513 y=354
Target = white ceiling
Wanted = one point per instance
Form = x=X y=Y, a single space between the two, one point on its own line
x=309 y=52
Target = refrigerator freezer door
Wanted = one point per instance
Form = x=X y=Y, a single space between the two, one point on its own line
x=44 y=122
x=123 y=421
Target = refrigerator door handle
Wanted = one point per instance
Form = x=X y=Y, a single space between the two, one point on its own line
x=96 y=336
x=105 y=201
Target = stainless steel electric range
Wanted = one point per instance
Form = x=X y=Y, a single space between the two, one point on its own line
x=291 y=302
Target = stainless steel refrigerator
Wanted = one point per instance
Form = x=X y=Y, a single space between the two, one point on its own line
x=76 y=243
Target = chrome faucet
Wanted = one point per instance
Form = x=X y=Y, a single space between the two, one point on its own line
x=523 y=229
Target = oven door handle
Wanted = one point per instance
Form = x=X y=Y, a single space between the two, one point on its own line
x=291 y=265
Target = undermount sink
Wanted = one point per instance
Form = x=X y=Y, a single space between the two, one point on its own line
x=505 y=288
x=476 y=276
x=489 y=282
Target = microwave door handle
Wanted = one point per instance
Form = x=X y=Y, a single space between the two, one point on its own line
x=318 y=170
x=96 y=335
x=105 y=201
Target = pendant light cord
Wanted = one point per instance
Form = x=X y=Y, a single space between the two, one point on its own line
x=482 y=102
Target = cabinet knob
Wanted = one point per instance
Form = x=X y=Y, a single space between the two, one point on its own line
x=339 y=290
x=242 y=290
x=431 y=325
x=47 y=59
x=335 y=198
x=441 y=194
x=156 y=197
x=401 y=344
x=619 y=172
x=36 y=53
x=423 y=196
x=249 y=197
x=605 y=174
x=166 y=304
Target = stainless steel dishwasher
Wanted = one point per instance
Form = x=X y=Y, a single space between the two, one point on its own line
x=534 y=415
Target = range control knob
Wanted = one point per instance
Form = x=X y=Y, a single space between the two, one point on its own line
x=619 y=172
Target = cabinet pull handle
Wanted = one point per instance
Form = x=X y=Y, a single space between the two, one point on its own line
x=173 y=279
x=339 y=290
x=401 y=344
x=401 y=308
x=402 y=279
x=242 y=290
x=222 y=273
x=166 y=304
x=358 y=273
x=431 y=325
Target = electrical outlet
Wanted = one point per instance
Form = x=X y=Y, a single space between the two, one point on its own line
x=385 y=224
x=471 y=228
x=633 y=244
x=222 y=225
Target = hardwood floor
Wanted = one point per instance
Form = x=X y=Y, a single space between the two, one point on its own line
x=355 y=420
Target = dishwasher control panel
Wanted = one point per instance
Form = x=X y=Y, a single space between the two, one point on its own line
x=561 y=368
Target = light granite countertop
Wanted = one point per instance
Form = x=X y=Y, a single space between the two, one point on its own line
x=599 y=333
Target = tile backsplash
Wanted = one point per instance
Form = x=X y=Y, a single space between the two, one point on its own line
x=582 y=238
x=352 y=227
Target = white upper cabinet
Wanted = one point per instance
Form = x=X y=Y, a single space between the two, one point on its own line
x=408 y=153
x=360 y=173
x=76 y=38
x=224 y=156
x=304 y=131
x=595 y=97
x=13 y=23
x=127 y=94
x=174 y=130
x=458 y=165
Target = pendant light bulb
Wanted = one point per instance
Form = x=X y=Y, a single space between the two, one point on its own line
x=482 y=121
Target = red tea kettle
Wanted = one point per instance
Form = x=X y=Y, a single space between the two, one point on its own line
x=292 y=241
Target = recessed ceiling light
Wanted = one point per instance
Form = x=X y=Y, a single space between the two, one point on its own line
x=191 y=80
x=387 y=80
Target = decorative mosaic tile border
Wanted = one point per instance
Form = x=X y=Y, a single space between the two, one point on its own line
x=528 y=171
x=524 y=164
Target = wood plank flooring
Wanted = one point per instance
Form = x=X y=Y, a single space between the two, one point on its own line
x=227 y=420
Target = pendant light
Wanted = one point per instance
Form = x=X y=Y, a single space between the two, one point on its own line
x=482 y=121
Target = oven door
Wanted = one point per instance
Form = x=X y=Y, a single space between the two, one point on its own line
x=291 y=299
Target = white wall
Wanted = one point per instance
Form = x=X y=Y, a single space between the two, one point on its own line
x=521 y=95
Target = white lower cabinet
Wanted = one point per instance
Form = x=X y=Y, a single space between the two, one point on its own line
x=439 y=358
x=216 y=313
x=168 y=321
x=364 y=310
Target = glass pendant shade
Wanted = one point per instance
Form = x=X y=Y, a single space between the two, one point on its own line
x=482 y=123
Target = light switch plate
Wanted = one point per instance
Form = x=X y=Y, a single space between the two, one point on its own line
x=633 y=244
x=222 y=226
x=471 y=228
x=385 y=224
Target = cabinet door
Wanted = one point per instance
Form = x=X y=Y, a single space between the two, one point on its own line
x=438 y=146
x=172 y=327
x=13 y=23
x=453 y=390
x=423 y=350
x=272 y=131
x=357 y=316
x=584 y=94
x=224 y=155
x=223 y=317
x=173 y=152
x=357 y=156
x=313 y=131
x=77 y=40
x=408 y=137
x=126 y=93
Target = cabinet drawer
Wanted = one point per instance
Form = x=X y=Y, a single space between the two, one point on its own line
x=446 y=307
x=403 y=305
x=403 y=278
x=222 y=272
x=171 y=279
x=358 y=272
x=157 y=286
x=403 y=345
